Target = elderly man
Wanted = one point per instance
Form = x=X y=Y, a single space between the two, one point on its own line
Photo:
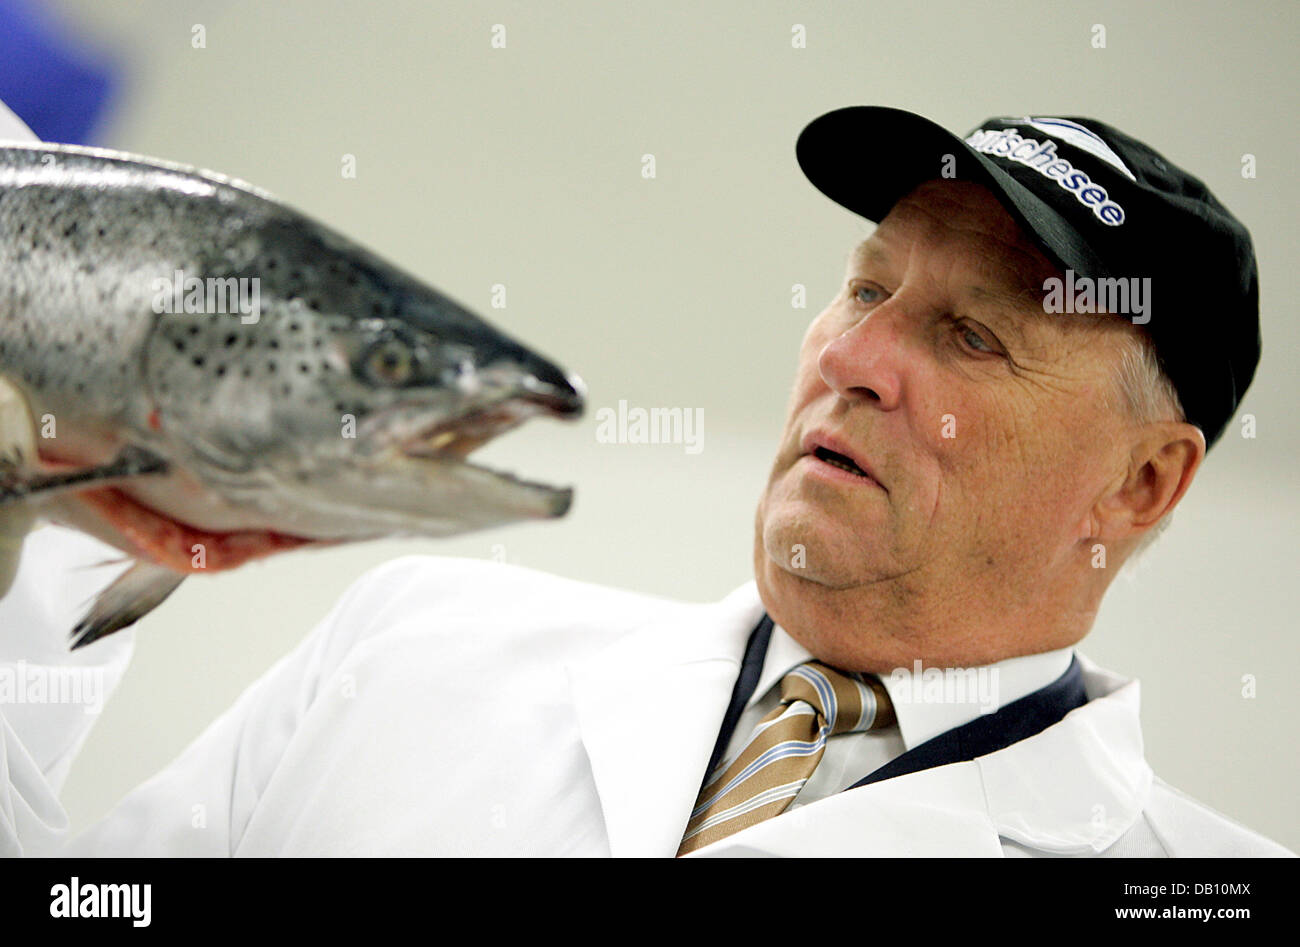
x=974 y=447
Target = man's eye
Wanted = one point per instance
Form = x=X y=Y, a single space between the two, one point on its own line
x=975 y=340
x=868 y=295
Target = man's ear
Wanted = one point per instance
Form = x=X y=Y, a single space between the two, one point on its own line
x=1162 y=463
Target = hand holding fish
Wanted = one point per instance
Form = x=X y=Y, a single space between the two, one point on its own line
x=339 y=406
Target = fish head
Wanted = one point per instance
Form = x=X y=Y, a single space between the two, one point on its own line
x=341 y=398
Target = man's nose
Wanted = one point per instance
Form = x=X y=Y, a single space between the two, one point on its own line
x=863 y=363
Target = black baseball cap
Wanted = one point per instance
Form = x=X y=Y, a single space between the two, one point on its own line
x=1098 y=203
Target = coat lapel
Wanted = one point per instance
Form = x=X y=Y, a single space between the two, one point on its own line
x=1075 y=788
x=1072 y=789
x=649 y=707
x=931 y=814
x=1017 y=721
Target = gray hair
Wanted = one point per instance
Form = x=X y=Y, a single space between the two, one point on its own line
x=1144 y=391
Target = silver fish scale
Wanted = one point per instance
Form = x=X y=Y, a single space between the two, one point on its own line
x=82 y=242
x=338 y=408
x=270 y=382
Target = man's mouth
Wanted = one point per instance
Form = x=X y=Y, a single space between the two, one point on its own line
x=828 y=456
x=824 y=446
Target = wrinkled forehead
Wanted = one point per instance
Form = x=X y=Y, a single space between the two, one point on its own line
x=962 y=226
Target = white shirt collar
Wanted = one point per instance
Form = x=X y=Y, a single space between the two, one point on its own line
x=932 y=702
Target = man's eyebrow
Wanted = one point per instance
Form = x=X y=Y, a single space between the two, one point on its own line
x=1017 y=305
x=868 y=252
x=1017 y=308
x=1025 y=297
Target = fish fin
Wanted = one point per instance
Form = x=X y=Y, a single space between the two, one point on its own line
x=134 y=594
x=19 y=482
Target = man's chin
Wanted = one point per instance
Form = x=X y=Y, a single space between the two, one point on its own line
x=814 y=562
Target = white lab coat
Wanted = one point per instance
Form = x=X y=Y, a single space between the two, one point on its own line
x=459 y=707
x=462 y=707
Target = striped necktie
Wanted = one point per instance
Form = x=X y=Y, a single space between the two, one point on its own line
x=817 y=702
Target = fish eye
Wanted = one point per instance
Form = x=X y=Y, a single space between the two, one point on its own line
x=389 y=362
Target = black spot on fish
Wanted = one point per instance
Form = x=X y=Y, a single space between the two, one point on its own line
x=231 y=340
x=270 y=367
x=221 y=370
x=274 y=343
x=304 y=367
x=198 y=361
x=193 y=330
x=180 y=345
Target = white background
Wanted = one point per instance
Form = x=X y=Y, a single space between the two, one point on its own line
x=522 y=166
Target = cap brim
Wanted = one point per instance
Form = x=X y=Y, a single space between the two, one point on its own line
x=867 y=158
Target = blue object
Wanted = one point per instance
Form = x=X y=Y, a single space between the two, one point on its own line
x=51 y=82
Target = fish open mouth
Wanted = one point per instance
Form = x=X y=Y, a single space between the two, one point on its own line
x=452 y=440
x=156 y=536
x=161 y=539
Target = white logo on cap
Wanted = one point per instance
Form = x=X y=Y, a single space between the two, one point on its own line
x=1082 y=138
x=1009 y=144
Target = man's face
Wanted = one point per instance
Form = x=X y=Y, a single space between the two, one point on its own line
x=989 y=429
